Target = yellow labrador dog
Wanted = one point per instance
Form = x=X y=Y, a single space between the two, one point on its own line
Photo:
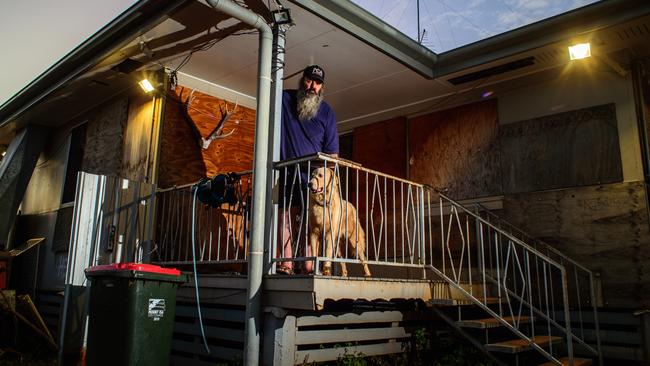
x=334 y=219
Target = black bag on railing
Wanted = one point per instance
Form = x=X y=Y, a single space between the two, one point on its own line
x=217 y=190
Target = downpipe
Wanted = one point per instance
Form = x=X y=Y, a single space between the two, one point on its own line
x=261 y=166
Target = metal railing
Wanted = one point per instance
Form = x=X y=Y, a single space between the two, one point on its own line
x=354 y=215
x=512 y=281
x=333 y=210
x=582 y=295
x=221 y=233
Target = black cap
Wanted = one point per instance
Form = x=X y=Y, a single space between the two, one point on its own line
x=314 y=72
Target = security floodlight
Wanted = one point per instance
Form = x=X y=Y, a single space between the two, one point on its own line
x=145 y=84
x=282 y=16
x=579 y=51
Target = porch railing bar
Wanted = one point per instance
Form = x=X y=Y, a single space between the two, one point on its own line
x=326 y=158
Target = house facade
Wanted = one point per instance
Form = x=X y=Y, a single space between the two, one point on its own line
x=505 y=142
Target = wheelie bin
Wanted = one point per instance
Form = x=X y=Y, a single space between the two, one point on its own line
x=131 y=314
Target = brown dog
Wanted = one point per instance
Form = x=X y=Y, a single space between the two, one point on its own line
x=335 y=219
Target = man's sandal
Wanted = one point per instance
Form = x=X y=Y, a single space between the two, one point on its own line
x=283 y=270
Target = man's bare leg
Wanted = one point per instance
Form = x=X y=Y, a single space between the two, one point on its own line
x=285 y=247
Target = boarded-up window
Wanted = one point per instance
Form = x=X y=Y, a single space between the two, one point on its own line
x=382 y=146
x=104 y=139
x=457 y=150
x=345 y=146
x=569 y=149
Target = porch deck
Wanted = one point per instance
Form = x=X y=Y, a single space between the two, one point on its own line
x=309 y=292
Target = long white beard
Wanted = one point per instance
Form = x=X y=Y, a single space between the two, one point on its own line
x=308 y=105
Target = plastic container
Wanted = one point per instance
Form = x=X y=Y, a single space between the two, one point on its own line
x=131 y=313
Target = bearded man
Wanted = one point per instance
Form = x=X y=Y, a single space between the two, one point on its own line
x=308 y=127
x=308 y=123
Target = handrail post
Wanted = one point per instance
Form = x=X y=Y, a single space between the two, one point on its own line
x=567 y=316
x=596 y=323
x=422 y=255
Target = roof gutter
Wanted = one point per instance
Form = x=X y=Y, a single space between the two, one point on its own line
x=375 y=32
x=261 y=167
x=114 y=35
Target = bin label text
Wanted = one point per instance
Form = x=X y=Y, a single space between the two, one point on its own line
x=156 y=309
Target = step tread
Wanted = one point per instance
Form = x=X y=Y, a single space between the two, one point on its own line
x=576 y=362
x=491 y=322
x=455 y=302
x=520 y=345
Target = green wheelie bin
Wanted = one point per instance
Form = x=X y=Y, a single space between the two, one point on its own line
x=131 y=314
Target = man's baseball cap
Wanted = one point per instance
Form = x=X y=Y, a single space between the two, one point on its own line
x=314 y=72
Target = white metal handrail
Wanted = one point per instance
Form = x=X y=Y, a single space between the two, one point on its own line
x=574 y=269
x=221 y=233
x=367 y=209
x=522 y=281
x=382 y=220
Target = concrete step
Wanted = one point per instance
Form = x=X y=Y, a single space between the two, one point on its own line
x=576 y=362
x=492 y=322
x=521 y=345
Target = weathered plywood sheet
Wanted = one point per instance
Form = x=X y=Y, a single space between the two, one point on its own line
x=46 y=184
x=457 y=149
x=182 y=160
x=604 y=228
x=568 y=149
x=382 y=146
x=104 y=138
x=138 y=132
x=346 y=146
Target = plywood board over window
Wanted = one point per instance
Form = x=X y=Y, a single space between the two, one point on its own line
x=104 y=136
x=568 y=149
x=457 y=150
x=137 y=137
x=182 y=160
x=382 y=146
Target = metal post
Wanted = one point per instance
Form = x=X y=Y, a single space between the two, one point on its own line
x=567 y=316
x=261 y=166
x=595 y=307
x=422 y=256
x=271 y=215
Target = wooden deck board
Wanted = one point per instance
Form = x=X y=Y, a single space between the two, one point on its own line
x=459 y=302
x=492 y=322
x=520 y=345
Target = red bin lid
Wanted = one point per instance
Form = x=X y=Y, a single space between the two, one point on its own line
x=140 y=267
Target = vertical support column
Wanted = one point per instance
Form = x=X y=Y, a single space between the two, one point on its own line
x=279 y=344
x=15 y=172
x=277 y=72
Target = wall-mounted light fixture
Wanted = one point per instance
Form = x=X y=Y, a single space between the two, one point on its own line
x=145 y=84
x=282 y=16
x=579 y=51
